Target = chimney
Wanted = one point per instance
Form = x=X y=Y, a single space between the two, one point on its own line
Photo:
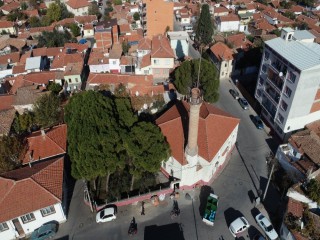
x=30 y=158
x=43 y=133
x=192 y=147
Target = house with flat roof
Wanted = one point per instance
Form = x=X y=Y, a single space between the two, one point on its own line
x=288 y=82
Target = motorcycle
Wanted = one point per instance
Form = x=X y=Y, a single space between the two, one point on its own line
x=133 y=228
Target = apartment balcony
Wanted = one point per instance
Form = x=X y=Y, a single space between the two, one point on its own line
x=273 y=95
x=279 y=68
x=269 y=106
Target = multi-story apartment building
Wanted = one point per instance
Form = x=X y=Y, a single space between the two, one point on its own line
x=156 y=17
x=288 y=83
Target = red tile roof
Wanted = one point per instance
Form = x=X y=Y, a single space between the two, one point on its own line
x=6 y=120
x=40 y=78
x=107 y=78
x=10 y=58
x=30 y=188
x=97 y=58
x=215 y=126
x=239 y=41
x=51 y=143
x=10 y=6
x=75 y=4
x=222 y=51
x=62 y=59
x=103 y=40
x=161 y=48
x=6 y=24
x=229 y=18
x=144 y=44
x=6 y=101
x=86 y=19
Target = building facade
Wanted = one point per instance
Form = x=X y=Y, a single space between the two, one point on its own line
x=288 y=82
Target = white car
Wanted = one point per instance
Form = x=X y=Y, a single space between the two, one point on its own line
x=106 y=215
x=266 y=226
x=239 y=225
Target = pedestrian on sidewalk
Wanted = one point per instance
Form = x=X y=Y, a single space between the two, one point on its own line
x=142 y=208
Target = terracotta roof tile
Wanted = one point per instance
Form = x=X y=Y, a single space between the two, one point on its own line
x=73 y=69
x=97 y=58
x=6 y=101
x=30 y=188
x=28 y=95
x=145 y=61
x=144 y=44
x=239 y=41
x=103 y=40
x=161 y=48
x=222 y=51
x=6 y=24
x=10 y=58
x=6 y=120
x=51 y=144
x=40 y=78
x=86 y=19
x=215 y=126
x=10 y=6
x=62 y=59
x=115 y=52
x=229 y=18
x=108 y=78
x=75 y=4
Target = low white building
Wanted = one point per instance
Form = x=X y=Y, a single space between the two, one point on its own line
x=78 y=7
x=179 y=43
x=210 y=134
x=229 y=23
x=31 y=196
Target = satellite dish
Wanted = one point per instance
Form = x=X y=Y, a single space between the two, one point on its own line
x=280 y=74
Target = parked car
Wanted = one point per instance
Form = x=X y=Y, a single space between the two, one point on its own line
x=235 y=94
x=243 y=103
x=257 y=121
x=239 y=225
x=266 y=226
x=107 y=214
x=46 y=231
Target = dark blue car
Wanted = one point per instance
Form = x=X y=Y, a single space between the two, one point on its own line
x=257 y=121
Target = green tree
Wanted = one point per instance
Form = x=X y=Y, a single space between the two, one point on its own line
x=23 y=123
x=136 y=16
x=10 y=149
x=94 y=143
x=313 y=190
x=16 y=15
x=55 y=88
x=33 y=3
x=117 y=2
x=186 y=76
x=47 y=110
x=125 y=47
x=54 y=39
x=94 y=10
x=54 y=12
x=34 y=21
x=1 y=3
x=290 y=15
x=147 y=148
x=64 y=11
x=204 y=29
x=74 y=29
x=24 y=6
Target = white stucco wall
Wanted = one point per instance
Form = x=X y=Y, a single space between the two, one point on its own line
x=181 y=50
x=143 y=71
x=74 y=82
x=189 y=175
x=162 y=63
x=78 y=12
x=10 y=30
x=142 y=53
x=226 y=68
x=88 y=33
x=101 y=68
x=114 y=64
x=29 y=227
x=228 y=26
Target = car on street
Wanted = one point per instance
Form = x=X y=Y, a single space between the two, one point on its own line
x=235 y=94
x=238 y=226
x=107 y=214
x=257 y=122
x=266 y=226
x=243 y=103
x=46 y=231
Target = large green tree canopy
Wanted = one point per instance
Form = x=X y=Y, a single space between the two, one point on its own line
x=204 y=26
x=186 y=77
x=105 y=135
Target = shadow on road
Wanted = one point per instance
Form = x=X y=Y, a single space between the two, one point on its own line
x=252 y=232
x=203 y=197
x=63 y=238
x=251 y=195
x=231 y=214
x=172 y=231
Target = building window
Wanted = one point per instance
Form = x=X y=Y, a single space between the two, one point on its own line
x=47 y=211
x=261 y=81
x=280 y=118
x=156 y=61
x=3 y=227
x=114 y=62
x=28 y=218
x=287 y=92
x=157 y=71
x=69 y=80
x=146 y=72
x=167 y=62
x=76 y=79
x=283 y=105
x=264 y=68
x=164 y=164
x=266 y=55
x=225 y=64
x=291 y=77
x=165 y=71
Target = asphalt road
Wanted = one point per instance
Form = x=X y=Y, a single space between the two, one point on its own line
x=236 y=186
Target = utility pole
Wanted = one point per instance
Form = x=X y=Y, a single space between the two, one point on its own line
x=270 y=175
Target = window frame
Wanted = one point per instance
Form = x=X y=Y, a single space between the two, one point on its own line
x=287 y=91
x=48 y=211
x=31 y=215
x=4 y=227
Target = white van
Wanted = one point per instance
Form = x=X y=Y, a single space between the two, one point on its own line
x=188 y=28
